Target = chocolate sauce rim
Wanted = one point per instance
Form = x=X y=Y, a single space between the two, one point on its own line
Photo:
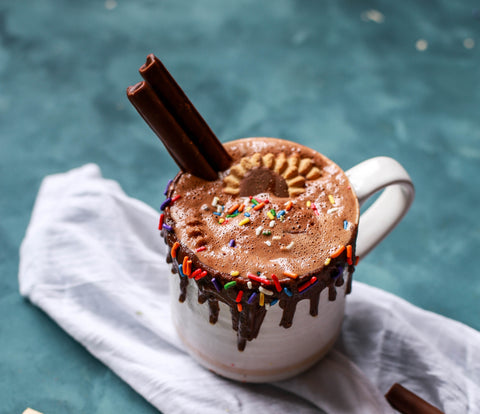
x=243 y=280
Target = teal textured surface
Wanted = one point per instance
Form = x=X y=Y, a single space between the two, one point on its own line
x=352 y=80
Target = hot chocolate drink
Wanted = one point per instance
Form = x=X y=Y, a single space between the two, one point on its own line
x=277 y=227
x=262 y=237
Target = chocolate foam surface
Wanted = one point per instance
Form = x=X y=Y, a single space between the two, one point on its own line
x=299 y=244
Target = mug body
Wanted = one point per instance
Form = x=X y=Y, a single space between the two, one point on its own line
x=277 y=353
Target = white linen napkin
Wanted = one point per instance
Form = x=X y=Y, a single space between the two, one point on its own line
x=93 y=260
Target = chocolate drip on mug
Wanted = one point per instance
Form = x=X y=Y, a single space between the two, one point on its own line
x=248 y=322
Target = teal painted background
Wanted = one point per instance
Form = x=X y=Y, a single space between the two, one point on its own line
x=350 y=83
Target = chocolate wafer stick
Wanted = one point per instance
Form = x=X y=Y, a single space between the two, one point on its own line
x=407 y=402
x=185 y=153
x=175 y=100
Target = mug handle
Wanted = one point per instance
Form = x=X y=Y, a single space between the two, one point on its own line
x=369 y=177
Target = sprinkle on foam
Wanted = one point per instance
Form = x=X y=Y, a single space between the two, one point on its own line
x=338 y=252
x=290 y=274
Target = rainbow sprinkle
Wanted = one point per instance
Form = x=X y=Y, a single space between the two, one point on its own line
x=175 y=198
x=167 y=187
x=288 y=292
x=229 y=284
x=188 y=268
x=338 y=252
x=308 y=284
x=216 y=284
x=265 y=291
x=165 y=203
x=234 y=273
x=160 y=222
x=276 y=282
x=349 y=254
x=244 y=221
x=195 y=273
x=232 y=209
x=290 y=274
x=331 y=199
x=259 y=279
x=180 y=270
x=259 y=206
x=173 y=251
x=201 y=275
x=231 y=243
x=252 y=298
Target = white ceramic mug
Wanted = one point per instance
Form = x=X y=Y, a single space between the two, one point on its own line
x=278 y=353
